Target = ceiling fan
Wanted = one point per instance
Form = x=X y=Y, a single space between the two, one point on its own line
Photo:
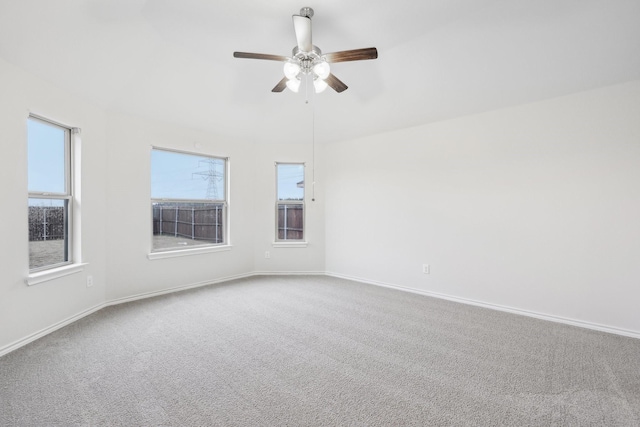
x=308 y=60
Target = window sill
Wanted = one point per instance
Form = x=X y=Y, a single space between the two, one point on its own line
x=186 y=252
x=290 y=244
x=54 y=273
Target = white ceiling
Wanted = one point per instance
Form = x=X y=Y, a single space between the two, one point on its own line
x=172 y=59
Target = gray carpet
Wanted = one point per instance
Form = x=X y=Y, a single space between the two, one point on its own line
x=317 y=351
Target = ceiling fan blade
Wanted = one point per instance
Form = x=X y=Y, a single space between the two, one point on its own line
x=352 y=55
x=335 y=83
x=302 y=27
x=282 y=84
x=260 y=56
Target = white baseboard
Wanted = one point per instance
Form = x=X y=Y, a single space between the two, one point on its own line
x=551 y=318
x=46 y=331
x=26 y=340
x=558 y=319
x=288 y=273
x=152 y=294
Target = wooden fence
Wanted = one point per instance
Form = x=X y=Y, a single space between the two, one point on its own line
x=46 y=223
x=290 y=222
x=197 y=223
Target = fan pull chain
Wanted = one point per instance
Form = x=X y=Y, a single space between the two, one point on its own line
x=313 y=149
x=313 y=152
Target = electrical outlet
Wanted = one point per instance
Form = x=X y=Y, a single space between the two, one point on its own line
x=267 y=254
x=89 y=281
x=426 y=269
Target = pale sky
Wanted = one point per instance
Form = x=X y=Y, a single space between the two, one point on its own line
x=45 y=157
x=173 y=175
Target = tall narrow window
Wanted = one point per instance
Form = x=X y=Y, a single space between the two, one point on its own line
x=50 y=194
x=188 y=200
x=290 y=201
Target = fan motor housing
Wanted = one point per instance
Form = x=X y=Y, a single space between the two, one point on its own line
x=315 y=53
x=307 y=59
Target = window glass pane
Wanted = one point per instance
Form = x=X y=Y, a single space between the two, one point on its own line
x=188 y=200
x=182 y=225
x=46 y=157
x=48 y=225
x=290 y=222
x=290 y=203
x=290 y=181
x=186 y=176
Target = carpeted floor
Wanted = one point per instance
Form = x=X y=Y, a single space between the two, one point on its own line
x=318 y=351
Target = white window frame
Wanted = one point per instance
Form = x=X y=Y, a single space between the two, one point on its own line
x=52 y=271
x=291 y=242
x=201 y=248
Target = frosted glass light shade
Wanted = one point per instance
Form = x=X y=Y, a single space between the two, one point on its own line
x=322 y=69
x=320 y=85
x=291 y=70
x=293 y=85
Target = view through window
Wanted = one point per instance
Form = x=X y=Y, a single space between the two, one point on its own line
x=188 y=200
x=290 y=201
x=49 y=184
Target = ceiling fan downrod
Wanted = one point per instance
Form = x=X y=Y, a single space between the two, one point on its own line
x=307 y=12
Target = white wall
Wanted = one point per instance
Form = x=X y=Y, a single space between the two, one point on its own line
x=116 y=217
x=535 y=208
x=251 y=210
x=129 y=209
x=25 y=310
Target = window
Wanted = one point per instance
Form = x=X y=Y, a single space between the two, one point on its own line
x=188 y=200
x=290 y=201
x=50 y=194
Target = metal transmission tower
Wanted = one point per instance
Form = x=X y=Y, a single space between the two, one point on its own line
x=212 y=176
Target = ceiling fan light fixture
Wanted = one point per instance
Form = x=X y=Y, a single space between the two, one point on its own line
x=322 y=69
x=291 y=69
x=320 y=85
x=293 y=84
x=307 y=60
